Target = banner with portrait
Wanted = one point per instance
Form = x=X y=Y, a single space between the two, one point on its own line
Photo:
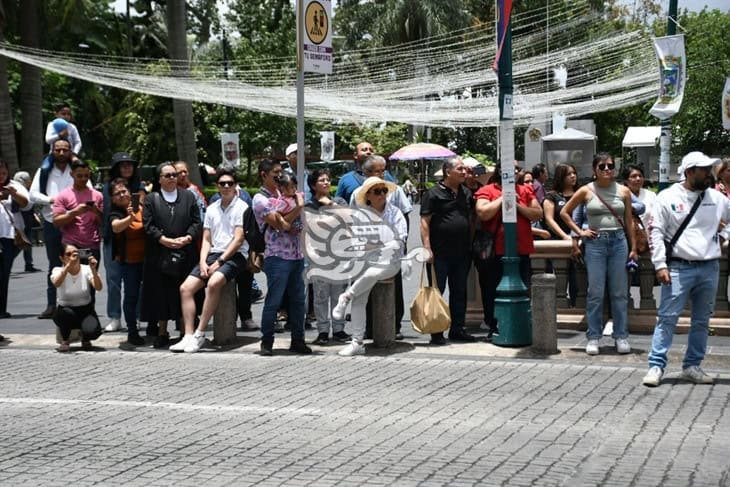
x=672 y=75
x=726 y=105
x=327 y=145
x=230 y=148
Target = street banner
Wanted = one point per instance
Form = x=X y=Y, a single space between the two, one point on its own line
x=317 y=55
x=726 y=105
x=327 y=143
x=229 y=144
x=672 y=74
x=504 y=11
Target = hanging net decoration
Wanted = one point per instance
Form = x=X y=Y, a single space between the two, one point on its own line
x=442 y=81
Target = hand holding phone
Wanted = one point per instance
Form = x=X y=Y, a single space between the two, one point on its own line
x=135 y=202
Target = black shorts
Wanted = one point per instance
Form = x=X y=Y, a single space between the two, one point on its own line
x=230 y=269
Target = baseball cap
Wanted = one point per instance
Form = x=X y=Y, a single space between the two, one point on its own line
x=696 y=159
x=122 y=157
x=290 y=148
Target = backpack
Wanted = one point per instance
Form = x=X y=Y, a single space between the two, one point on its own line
x=254 y=235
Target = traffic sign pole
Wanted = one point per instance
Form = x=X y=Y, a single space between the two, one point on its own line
x=301 y=184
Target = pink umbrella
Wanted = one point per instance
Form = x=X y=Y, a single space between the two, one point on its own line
x=418 y=151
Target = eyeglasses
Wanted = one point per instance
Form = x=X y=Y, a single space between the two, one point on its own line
x=606 y=167
x=169 y=175
x=226 y=184
x=379 y=191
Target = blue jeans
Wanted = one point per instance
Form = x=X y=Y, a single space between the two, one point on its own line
x=113 y=283
x=283 y=276
x=52 y=237
x=131 y=275
x=698 y=282
x=605 y=258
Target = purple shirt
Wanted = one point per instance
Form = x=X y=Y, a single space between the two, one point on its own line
x=284 y=245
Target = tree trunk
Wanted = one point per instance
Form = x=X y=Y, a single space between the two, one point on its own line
x=8 y=150
x=32 y=144
x=182 y=110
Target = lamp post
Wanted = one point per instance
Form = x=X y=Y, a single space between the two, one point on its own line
x=512 y=306
x=665 y=140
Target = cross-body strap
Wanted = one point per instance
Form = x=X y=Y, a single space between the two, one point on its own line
x=686 y=221
x=10 y=215
x=613 y=212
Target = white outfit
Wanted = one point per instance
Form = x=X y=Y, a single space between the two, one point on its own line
x=73 y=136
x=671 y=208
x=222 y=223
x=75 y=290
x=384 y=266
x=6 y=226
x=648 y=198
x=57 y=181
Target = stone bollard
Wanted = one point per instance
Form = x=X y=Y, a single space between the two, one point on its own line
x=383 y=299
x=224 y=320
x=544 y=314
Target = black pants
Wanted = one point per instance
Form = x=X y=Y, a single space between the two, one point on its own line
x=490 y=273
x=244 y=282
x=68 y=318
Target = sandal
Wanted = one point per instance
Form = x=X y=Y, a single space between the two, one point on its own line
x=64 y=347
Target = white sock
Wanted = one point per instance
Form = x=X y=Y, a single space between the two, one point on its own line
x=198 y=334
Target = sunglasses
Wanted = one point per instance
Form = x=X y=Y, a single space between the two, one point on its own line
x=169 y=175
x=606 y=167
x=379 y=191
x=226 y=184
x=69 y=254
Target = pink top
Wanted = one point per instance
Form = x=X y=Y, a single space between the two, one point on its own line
x=83 y=231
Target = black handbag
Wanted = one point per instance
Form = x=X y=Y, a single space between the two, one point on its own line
x=174 y=262
x=482 y=246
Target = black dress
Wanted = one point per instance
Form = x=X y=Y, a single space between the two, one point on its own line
x=160 y=292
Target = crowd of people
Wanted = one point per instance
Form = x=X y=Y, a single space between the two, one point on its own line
x=168 y=252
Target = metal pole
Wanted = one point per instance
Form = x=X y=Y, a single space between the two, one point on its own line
x=226 y=67
x=300 y=96
x=511 y=307
x=129 y=30
x=665 y=141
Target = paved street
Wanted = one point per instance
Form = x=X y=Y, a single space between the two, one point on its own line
x=464 y=414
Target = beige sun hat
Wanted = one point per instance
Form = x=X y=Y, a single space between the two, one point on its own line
x=371 y=182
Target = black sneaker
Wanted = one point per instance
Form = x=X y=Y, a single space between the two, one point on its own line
x=30 y=268
x=135 y=340
x=162 y=342
x=462 y=336
x=342 y=337
x=322 y=339
x=438 y=339
x=399 y=336
x=267 y=349
x=298 y=346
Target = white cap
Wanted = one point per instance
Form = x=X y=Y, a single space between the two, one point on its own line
x=696 y=159
x=290 y=148
x=471 y=162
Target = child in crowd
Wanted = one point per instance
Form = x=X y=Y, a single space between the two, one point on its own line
x=287 y=202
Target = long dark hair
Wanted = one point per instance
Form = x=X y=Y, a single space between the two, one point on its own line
x=5 y=165
x=133 y=183
x=561 y=172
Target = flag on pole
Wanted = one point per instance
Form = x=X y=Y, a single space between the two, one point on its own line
x=672 y=74
x=504 y=11
x=726 y=105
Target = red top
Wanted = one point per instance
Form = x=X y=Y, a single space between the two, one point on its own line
x=525 y=245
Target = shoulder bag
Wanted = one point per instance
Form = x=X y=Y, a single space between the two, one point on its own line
x=669 y=244
x=20 y=239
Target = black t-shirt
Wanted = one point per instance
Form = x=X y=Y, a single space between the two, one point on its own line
x=450 y=229
x=558 y=201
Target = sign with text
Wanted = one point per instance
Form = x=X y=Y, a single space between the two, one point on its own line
x=317 y=55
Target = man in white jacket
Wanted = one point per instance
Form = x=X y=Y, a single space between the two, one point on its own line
x=690 y=268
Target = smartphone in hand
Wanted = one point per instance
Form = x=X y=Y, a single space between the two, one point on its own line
x=135 y=202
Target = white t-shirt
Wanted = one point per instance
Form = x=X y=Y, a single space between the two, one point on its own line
x=222 y=224
x=6 y=225
x=648 y=198
x=57 y=181
x=75 y=290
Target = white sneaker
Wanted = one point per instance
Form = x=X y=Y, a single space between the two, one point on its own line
x=249 y=325
x=622 y=346
x=352 y=348
x=338 y=312
x=483 y=325
x=195 y=344
x=114 y=325
x=653 y=377
x=592 y=347
x=695 y=374
x=180 y=346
